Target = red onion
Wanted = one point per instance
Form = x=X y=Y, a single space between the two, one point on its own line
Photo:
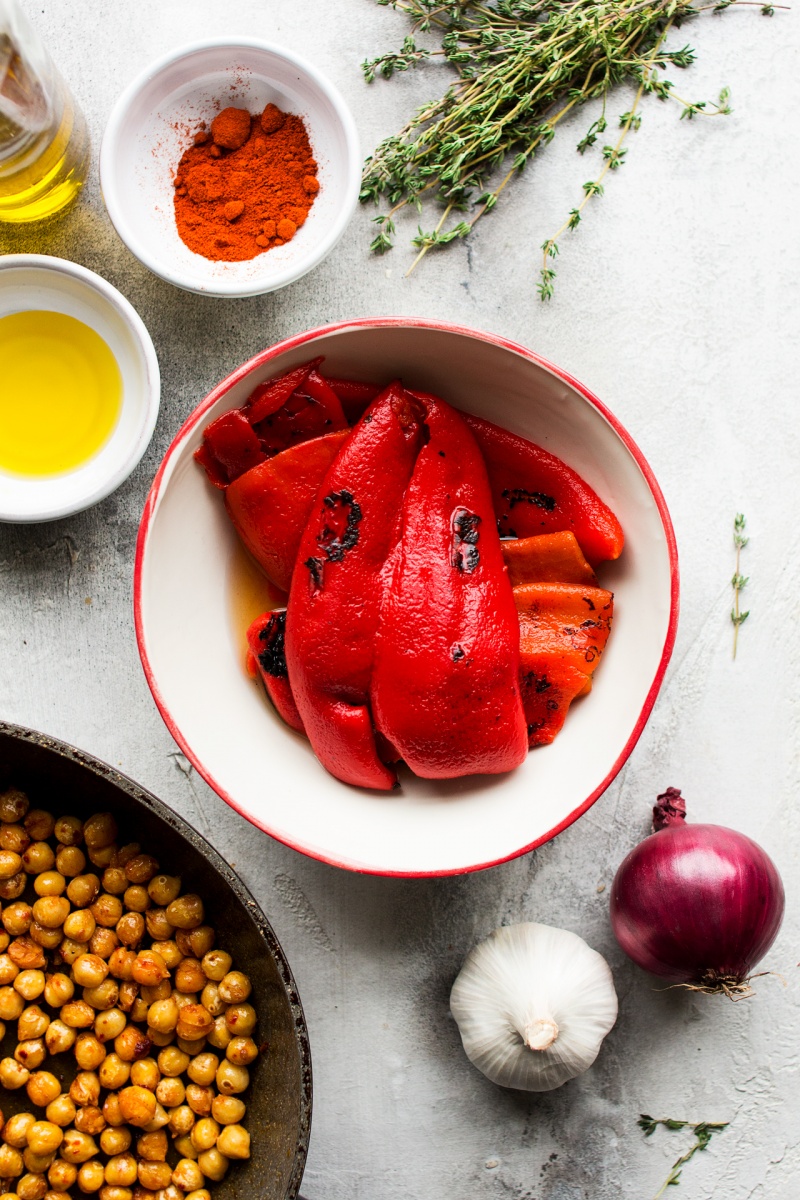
x=696 y=904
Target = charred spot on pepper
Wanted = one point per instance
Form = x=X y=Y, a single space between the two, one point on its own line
x=315 y=566
x=588 y=600
x=523 y=496
x=458 y=653
x=273 y=657
x=464 y=555
x=340 y=532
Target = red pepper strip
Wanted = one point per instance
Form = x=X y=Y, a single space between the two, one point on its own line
x=232 y=445
x=445 y=686
x=355 y=397
x=211 y=467
x=548 y=685
x=312 y=411
x=338 y=583
x=265 y=639
x=270 y=396
x=270 y=504
x=535 y=492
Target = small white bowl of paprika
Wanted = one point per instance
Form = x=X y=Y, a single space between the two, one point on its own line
x=217 y=204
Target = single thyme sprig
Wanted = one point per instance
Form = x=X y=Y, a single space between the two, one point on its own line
x=703 y=1132
x=738 y=580
x=522 y=66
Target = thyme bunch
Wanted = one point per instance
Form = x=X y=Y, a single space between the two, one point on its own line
x=703 y=1132
x=522 y=66
x=738 y=581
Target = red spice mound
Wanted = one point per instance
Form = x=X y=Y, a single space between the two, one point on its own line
x=237 y=199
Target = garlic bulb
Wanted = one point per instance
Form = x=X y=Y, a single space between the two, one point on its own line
x=533 y=1005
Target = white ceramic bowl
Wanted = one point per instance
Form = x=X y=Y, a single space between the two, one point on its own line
x=192 y=649
x=147 y=134
x=37 y=281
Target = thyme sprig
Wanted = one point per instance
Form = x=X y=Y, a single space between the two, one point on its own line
x=703 y=1132
x=522 y=66
x=738 y=581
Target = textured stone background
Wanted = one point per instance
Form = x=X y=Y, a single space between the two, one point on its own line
x=677 y=304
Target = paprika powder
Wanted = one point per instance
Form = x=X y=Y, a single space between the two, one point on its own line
x=246 y=185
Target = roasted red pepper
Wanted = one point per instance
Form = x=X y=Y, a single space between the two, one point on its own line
x=338 y=583
x=266 y=643
x=230 y=447
x=445 y=687
x=535 y=492
x=355 y=397
x=270 y=505
x=268 y=397
x=313 y=409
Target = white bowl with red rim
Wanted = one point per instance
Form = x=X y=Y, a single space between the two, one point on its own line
x=188 y=579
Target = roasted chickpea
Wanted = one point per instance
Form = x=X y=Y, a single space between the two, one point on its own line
x=153 y=1146
x=120 y=964
x=203 y=1069
x=12 y=889
x=220 y=1036
x=80 y=925
x=70 y=861
x=163 y=889
x=31 y=1054
x=160 y=1119
x=59 y=1037
x=116 y=1193
x=31 y=1187
x=158 y=926
x=111 y=1109
x=216 y=965
x=61 y=1112
x=83 y=890
x=91 y=1176
x=51 y=911
x=194 y=1022
x=104 y=996
x=113 y=1072
x=78 y=1147
x=109 y=1024
x=90 y=1119
x=139 y=1010
x=200 y=1194
x=69 y=950
x=199 y=1099
x=189 y=976
x=100 y=830
x=141 y=868
x=14 y=837
x=195 y=943
x=37 y=858
x=145 y=1073
x=39 y=824
x=172 y=1061
x=169 y=952
x=163 y=1016
x=115 y=880
x=62 y=1174
x=181 y=1120
x=241 y=1051
x=8 y=970
x=187 y=1175
x=115 y=1141
x=204 y=1134
x=11 y=1164
x=186 y=912
x=154 y=1175
x=227 y=1110
x=103 y=942
x=125 y=853
x=171 y=1092
x=53 y=1195
x=183 y=1146
x=121 y=1170
x=161 y=1039
x=13 y=805
x=17 y=1128
x=48 y=939
x=89 y=970
x=42 y=1087
x=213 y=1164
x=212 y=1001
x=89 y=1054
x=78 y=1014
x=241 y=1019
x=132 y=1044
x=234 y=1142
x=12 y=1074
x=104 y=857
x=10 y=864
x=149 y=968
x=69 y=831
x=33 y=1023
x=29 y=984
x=58 y=989
x=17 y=918
x=107 y=910
x=137 y=1105
x=85 y=1088
x=128 y=991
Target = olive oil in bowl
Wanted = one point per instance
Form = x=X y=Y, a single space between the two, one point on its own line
x=60 y=393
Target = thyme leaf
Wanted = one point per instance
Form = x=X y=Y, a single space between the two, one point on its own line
x=703 y=1132
x=738 y=581
x=521 y=66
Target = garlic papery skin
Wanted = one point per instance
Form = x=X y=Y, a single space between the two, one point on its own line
x=533 y=1005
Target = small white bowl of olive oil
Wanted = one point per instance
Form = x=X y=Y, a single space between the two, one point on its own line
x=79 y=388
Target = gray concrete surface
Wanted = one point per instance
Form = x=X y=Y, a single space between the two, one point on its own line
x=677 y=303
